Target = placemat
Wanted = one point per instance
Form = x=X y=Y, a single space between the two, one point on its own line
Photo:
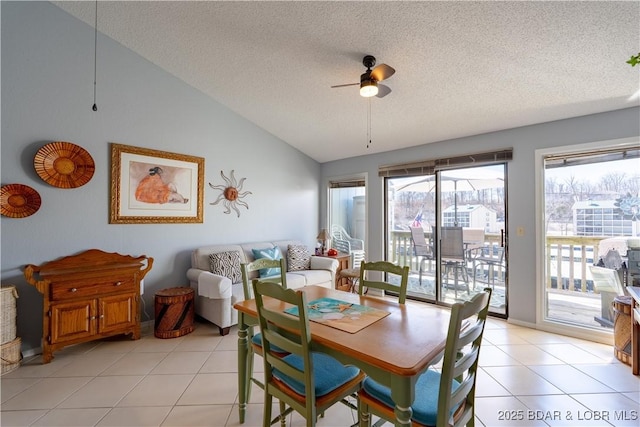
x=341 y=315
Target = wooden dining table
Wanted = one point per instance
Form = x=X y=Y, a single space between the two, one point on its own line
x=393 y=350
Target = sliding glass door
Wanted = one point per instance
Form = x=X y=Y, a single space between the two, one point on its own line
x=591 y=218
x=450 y=228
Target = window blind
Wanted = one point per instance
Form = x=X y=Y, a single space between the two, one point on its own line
x=347 y=183
x=596 y=156
x=429 y=167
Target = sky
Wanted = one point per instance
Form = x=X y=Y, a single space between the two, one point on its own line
x=594 y=172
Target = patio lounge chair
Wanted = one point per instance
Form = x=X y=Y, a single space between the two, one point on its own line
x=343 y=242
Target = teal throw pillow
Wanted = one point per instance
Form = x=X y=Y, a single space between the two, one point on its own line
x=269 y=253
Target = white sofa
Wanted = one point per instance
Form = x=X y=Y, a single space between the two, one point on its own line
x=215 y=295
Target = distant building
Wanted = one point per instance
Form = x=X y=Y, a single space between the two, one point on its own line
x=599 y=218
x=473 y=216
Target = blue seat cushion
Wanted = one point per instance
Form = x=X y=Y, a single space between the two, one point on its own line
x=328 y=373
x=425 y=405
x=257 y=340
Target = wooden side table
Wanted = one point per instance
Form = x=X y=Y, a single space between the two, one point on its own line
x=342 y=283
x=174 y=312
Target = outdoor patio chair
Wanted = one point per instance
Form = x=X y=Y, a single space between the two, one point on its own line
x=453 y=257
x=446 y=398
x=473 y=238
x=256 y=339
x=340 y=236
x=304 y=381
x=386 y=283
x=421 y=249
x=491 y=257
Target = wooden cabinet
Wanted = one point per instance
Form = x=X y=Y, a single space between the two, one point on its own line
x=91 y=295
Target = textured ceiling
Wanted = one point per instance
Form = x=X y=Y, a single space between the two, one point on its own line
x=462 y=68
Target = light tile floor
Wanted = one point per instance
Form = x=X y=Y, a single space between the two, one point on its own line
x=527 y=378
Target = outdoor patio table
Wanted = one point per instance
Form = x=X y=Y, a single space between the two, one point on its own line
x=394 y=350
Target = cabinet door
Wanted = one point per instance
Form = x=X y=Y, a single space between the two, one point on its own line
x=72 y=320
x=117 y=312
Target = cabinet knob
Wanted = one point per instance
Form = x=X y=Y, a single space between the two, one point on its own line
x=74 y=289
x=92 y=318
x=118 y=283
x=102 y=316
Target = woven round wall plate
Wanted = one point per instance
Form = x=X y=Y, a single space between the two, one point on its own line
x=19 y=201
x=64 y=165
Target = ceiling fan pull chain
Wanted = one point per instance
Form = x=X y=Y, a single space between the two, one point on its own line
x=95 y=59
x=369 y=123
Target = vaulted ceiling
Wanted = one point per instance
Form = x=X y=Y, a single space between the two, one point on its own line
x=462 y=68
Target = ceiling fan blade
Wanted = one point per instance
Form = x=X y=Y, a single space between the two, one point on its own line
x=345 y=85
x=382 y=71
x=383 y=90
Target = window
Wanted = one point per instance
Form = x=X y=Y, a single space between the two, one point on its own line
x=585 y=191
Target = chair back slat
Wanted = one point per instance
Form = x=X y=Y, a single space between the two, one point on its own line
x=259 y=264
x=291 y=378
x=274 y=323
x=452 y=243
x=457 y=381
x=461 y=356
x=384 y=268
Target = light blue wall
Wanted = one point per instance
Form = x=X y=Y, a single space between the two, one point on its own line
x=47 y=93
x=521 y=185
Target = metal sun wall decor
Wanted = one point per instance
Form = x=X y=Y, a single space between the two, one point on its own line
x=231 y=193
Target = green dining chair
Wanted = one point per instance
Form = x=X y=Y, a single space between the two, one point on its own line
x=264 y=266
x=445 y=398
x=305 y=381
x=387 y=283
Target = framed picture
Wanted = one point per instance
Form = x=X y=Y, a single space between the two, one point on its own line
x=153 y=187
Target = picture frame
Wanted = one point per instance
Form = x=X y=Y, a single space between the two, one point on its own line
x=155 y=187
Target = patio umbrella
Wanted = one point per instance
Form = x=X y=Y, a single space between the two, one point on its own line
x=460 y=180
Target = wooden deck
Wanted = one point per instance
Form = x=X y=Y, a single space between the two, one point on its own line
x=572 y=307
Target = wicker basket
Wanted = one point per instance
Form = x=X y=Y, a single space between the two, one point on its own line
x=11 y=356
x=174 y=312
x=8 y=313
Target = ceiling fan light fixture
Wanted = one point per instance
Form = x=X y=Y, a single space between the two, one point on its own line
x=368 y=88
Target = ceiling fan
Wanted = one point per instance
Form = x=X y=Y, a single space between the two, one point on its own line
x=369 y=85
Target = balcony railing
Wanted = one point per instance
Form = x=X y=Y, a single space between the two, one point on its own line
x=567 y=257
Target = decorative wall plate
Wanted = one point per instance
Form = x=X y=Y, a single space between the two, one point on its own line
x=19 y=201
x=64 y=165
